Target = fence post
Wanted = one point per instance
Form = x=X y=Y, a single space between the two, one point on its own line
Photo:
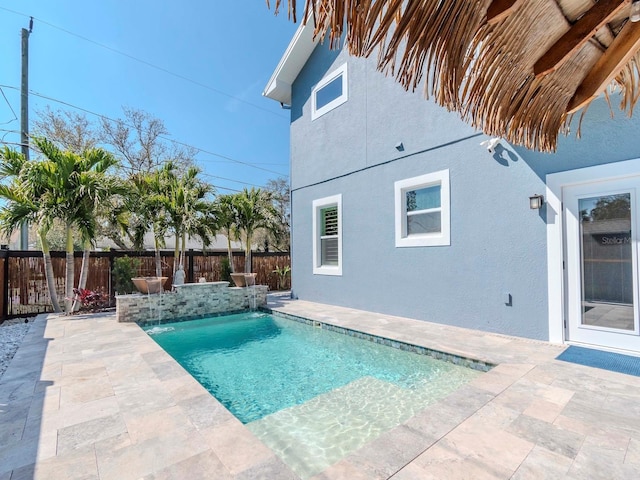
x=190 y=257
x=5 y=286
x=111 y=257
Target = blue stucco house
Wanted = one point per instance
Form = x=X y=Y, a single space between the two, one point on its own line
x=400 y=207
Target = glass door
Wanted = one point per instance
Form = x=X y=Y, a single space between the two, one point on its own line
x=601 y=264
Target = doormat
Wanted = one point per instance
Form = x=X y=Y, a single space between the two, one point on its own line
x=615 y=362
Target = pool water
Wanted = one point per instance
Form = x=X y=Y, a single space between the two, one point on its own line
x=312 y=395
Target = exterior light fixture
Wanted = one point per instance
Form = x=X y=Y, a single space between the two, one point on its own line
x=634 y=14
x=491 y=144
x=536 y=202
x=400 y=145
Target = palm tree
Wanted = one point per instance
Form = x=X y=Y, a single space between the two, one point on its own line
x=225 y=215
x=96 y=190
x=186 y=207
x=254 y=211
x=147 y=203
x=76 y=184
x=26 y=203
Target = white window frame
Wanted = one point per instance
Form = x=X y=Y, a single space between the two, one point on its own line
x=318 y=112
x=318 y=205
x=427 y=239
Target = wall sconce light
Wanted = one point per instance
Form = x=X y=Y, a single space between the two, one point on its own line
x=634 y=14
x=536 y=202
x=400 y=146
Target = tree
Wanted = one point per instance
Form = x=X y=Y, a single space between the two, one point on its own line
x=67 y=130
x=224 y=218
x=612 y=206
x=138 y=138
x=24 y=197
x=278 y=239
x=73 y=186
x=95 y=191
x=56 y=237
x=147 y=203
x=254 y=211
x=72 y=131
x=186 y=207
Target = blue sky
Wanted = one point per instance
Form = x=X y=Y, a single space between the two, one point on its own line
x=231 y=47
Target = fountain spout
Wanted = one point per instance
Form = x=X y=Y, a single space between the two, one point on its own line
x=149 y=284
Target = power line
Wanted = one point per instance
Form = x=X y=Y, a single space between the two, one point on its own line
x=7 y=133
x=204 y=174
x=231 y=180
x=226 y=158
x=17 y=144
x=200 y=173
x=149 y=64
x=227 y=188
x=15 y=117
x=177 y=142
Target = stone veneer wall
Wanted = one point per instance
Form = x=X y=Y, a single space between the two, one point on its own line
x=189 y=301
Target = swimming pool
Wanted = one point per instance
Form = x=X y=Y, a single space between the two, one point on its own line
x=312 y=395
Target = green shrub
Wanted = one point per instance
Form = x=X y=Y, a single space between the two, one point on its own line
x=124 y=269
x=282 y=273
x=225 y=270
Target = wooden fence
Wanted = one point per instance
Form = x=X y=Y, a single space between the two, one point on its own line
x=24 y=286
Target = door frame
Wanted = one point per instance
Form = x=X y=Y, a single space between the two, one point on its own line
x=577 y=331
x=556 y=241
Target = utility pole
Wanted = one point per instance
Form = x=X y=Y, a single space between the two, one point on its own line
x=24 y=118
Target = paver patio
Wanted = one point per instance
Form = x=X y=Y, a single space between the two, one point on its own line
x=87 y=397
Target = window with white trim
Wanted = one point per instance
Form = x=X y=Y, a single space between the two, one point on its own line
x=327 y=236
x=330 y=92
x=422 y=210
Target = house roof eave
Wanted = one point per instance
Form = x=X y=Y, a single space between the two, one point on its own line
x=298 y=52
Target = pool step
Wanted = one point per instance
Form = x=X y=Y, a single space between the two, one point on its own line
x=312 y=436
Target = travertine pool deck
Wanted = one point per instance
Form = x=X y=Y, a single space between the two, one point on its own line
x=86 y=397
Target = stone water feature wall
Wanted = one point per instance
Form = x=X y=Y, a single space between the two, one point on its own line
x=191 y=300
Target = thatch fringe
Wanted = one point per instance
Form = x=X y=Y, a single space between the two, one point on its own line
x=627 y=83
x=485 y=72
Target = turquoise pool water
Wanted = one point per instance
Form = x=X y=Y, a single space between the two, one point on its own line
x=311 y=394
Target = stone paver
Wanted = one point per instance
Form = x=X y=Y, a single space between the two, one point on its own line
x=87 y=397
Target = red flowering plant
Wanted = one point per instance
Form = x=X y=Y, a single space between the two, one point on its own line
x=90 y=300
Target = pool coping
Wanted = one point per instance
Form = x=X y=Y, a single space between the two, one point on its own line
x=189 y=318
x=466 y=362
x=74 y=391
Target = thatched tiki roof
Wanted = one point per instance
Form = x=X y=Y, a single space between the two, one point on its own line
x=513 y=68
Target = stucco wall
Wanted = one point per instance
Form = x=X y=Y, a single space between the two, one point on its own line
x=498 y=245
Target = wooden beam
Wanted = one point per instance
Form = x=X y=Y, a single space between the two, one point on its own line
x=579 y=34
x=498 y=10
x=625 y=46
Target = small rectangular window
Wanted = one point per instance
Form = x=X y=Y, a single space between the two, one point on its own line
x=422 y=210
x=329 y=93
x=327 y=236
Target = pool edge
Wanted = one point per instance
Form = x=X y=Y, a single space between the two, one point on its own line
x=472 y=363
